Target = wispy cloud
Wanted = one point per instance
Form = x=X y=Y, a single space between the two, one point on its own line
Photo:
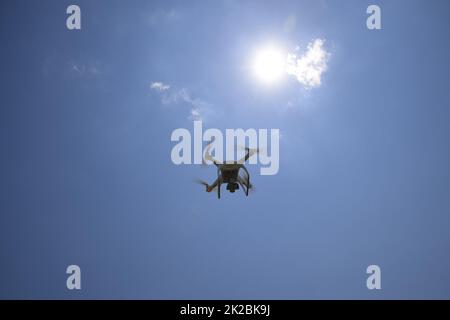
x=159 y=86
x=199 y=109
x=309 y=67
x=195 y=115
x=164 y=16
x=84 y=69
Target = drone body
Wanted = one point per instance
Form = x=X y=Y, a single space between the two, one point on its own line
x=229 y=173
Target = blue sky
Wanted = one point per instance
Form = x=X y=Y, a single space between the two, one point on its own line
x=87 y=177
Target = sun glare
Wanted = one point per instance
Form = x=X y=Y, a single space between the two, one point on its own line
x=269 y=64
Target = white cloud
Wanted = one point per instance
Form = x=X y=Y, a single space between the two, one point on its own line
x=309 y=67
x=83 y=69
x=289 y=105
x=199 y=109
x=159 y=86
x=195 y=115
x=93 y=70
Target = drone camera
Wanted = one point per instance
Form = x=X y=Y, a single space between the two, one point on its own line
x=232 y=187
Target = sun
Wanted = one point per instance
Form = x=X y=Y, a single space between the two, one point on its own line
x=269 y=64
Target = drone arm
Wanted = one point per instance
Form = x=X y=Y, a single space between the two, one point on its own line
x=211 y=187
x=248 y=153
x=245 y=158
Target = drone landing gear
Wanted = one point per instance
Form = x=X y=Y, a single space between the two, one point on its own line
x=247 y=187
x=218 y=182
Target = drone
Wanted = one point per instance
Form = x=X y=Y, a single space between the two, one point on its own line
x=229 y=173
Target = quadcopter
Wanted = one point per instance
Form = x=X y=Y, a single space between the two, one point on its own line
x=228 y=173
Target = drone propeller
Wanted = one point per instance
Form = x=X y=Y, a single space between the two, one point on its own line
x=208 y=157
x=201 y=182
x=204 y=183
x=249 y=153
x=250 y=149
x=253 y=151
